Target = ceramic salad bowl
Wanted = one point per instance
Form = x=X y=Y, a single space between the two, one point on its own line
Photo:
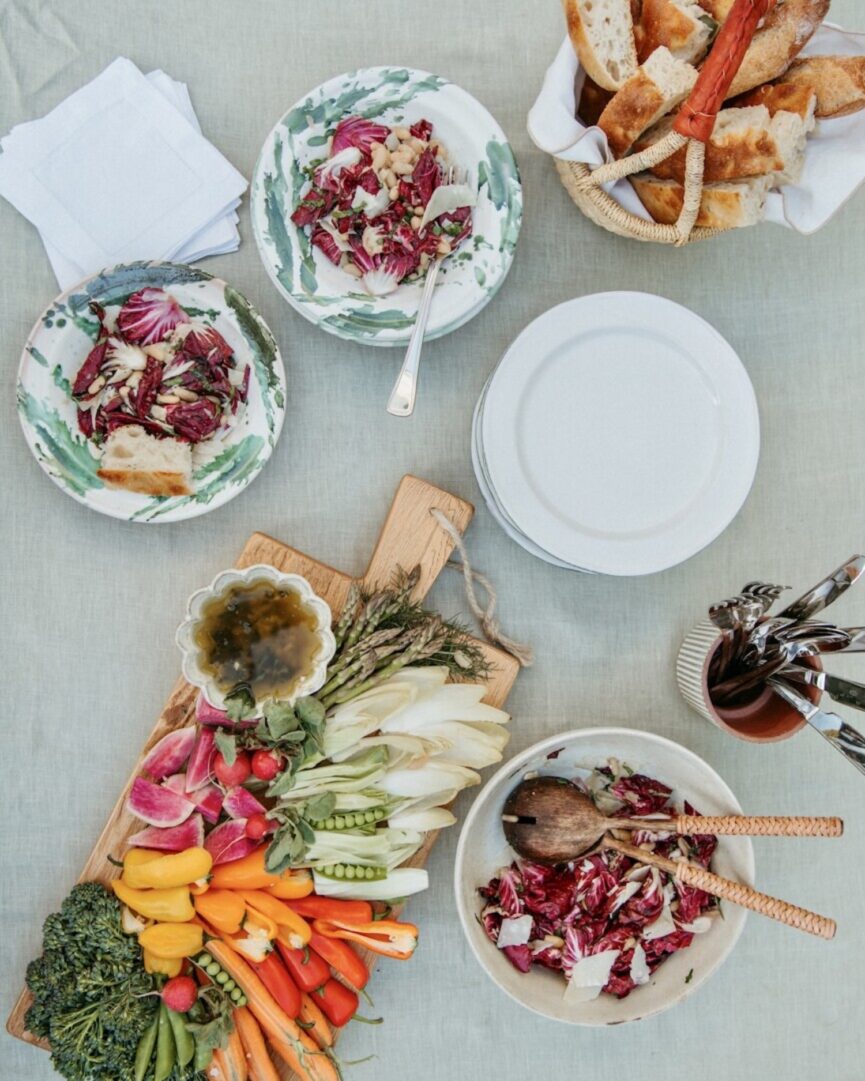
x=324 y=293
x=61 y=339
x=482 y=851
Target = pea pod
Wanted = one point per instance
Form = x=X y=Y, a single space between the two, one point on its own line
x=183 y=1041
x=144 y=1051
x=165 y=1051
x=203 y=1055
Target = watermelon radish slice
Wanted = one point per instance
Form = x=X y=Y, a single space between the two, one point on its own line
x=157 y=805
x=174 y=839
x=207 y=800
x=221 y=840
x=199 y=770
x=170 y=753
x=240 y=848
x=207 y=714
x=239 y=802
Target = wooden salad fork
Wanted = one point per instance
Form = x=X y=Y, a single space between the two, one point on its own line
x=549 y=820
x=402 y=397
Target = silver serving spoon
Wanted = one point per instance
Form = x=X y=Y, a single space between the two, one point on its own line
x=843 y=737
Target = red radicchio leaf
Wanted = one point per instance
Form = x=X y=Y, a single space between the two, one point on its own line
x=364 y=260
x=148 y=388
x=193 y=421
x=399 y=264
x=426 y=176
x=519 y=956
x=421 y=130
x=643 y=794
x=149 y=316
x=89 y=369
x=314 y=205
x=85 y=422
x=322 y=239
x=369 y=182
x=204 y=340
x=356 y=131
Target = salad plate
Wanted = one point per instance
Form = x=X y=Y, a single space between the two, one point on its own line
x=477 y=148
x=222 y=466
x=619 y=433
x=482 y=851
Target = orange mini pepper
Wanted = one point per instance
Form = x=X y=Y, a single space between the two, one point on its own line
x=390 y=938
x=223 y=909
x=250 y=873
x=288 y=921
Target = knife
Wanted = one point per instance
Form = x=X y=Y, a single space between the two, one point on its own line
x=826 y=591
x=842 y=736
x=845 y=691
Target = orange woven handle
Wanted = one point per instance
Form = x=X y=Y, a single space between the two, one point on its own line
x=696 y=118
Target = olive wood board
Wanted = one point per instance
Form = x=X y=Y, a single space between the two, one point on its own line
x=410 y=536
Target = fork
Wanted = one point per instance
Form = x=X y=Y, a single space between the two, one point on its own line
x=402 y=397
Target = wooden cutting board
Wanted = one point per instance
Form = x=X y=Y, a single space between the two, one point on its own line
x=410 y=536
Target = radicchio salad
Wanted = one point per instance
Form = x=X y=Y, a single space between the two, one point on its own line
x=604 y=921
x=382 y=204
x=159 y=369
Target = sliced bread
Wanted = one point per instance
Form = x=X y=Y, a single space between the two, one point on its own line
x=786 y=97
x=745 y=142
x=139 y=462
x=658 y=86
x=728 y=205
x=838 y=81
x=786 y=30
x=593 y=100
x=718 y=9
x=602 y=33
x=681 y=25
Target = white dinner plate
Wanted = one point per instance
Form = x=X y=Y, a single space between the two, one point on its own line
x=620 y=433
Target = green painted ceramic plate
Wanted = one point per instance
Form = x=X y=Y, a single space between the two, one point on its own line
x=61 y=339
x=322 y=292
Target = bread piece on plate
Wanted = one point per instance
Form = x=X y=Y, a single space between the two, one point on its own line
x=657 y=87
x=718 y=9
x=745 y=142
x=139 y=462
x=681 y=25
x=786 y=30
x=593 y=101
x=783 y=96
x=602 y=33
x=729 y=205
x=838 y=81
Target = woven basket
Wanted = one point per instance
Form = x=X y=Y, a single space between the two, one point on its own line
x=692 y=129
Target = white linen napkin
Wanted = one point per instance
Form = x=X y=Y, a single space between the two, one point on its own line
x=834 y=159
x=120 y=171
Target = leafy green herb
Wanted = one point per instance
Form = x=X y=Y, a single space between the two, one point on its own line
x=690 y=976
x=214 y=1032
x=226 y=743
x=240 y=703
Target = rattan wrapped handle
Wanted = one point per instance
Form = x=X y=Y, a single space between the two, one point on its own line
x=759 y=825
x=737 y=892
x=696 y=118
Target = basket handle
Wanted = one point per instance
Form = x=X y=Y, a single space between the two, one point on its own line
x=696 y=118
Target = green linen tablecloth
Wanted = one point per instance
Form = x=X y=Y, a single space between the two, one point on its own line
x=90 y=604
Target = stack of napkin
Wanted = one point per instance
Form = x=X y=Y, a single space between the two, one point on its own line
x=120 y=171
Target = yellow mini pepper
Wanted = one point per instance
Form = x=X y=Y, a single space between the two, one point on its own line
x=167 y=906
x=170 y=940
x=167 y=966
x=173 y=869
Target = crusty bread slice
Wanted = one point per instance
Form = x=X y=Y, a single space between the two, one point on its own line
x=786 y=30
x=838 y=81
x=593 y=100
x=139 y=462
x=681 y=25
x=658 y=86
x=783 y=96
x=602 y=33
x=745 y=142
x=729 y=205
x=718 y=9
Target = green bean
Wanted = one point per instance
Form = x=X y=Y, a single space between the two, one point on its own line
x=144 y=1052
x=183 y=1041
x=165 y=1052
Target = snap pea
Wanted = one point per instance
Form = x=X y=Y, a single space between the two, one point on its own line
x=203 y=1055
x=183 y=1041
x=165 y=1051
x=352 y=870
x=144 y=1052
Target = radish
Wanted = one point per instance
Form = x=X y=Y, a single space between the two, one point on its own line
x=198 y=771
x=158 y=805
x=240 y=803
x=180 y=993
x=172 y=839
x=266 y=764
x=206 y=714
x=257 y=826
x=234 y=774
x=170 y=753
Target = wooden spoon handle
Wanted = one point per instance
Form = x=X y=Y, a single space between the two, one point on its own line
x=760 y=825
x=737 y=892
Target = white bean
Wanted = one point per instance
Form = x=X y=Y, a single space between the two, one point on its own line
x=402 y=168
x=352 y=270
x=402 y=133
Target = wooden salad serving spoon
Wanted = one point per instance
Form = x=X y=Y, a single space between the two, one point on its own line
x=549 y=820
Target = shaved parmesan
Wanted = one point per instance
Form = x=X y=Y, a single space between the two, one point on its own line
x=589 y=975
x=662 y=926
x=445 y=200
x=639 y=966
x=699 y=926
x=350 y=155
x=515 y=931
x=625 y=894
x=371 y=205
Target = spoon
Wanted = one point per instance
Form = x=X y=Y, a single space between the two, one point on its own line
x=826 y=591
x=549 y=820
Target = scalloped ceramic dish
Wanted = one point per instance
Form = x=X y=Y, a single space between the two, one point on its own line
x=193 y=667
x=325 y=294
x=482 y=850
x=61 y=339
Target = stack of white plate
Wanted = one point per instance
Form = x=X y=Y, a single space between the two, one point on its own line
x=619 y=434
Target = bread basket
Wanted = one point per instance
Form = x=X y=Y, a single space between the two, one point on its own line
x=692 y=129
